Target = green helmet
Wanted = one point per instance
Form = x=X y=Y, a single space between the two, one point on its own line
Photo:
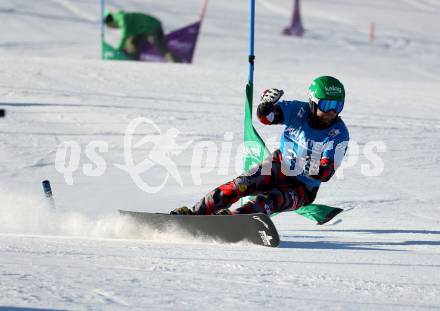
x=326 y=87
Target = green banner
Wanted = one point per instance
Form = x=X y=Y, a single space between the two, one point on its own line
x=110 y=53
x=254 y=147
x=317 y=212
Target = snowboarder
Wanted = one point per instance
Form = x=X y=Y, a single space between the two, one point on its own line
x=138 y=30
x=312 y=146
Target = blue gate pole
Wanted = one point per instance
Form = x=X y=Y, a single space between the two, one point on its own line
x=251 y=42
x=102 y=27
x=48 y=193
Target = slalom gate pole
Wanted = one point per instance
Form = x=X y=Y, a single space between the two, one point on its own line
x=255 y=150
x=48 y=193
x=204 y=9
x=251 y=43
x=102 y=27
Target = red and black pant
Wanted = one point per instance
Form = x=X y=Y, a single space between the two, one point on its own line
x=273 y=191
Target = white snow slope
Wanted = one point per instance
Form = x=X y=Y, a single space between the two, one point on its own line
x=382 y=254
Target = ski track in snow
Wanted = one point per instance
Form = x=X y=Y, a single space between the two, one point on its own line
x=425 y=5
x=76 y=11
x=381 y=253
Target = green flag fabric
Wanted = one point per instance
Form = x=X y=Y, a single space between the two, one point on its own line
x=110 y=53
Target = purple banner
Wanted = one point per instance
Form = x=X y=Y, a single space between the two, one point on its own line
x=296 y=27
x=180 y=43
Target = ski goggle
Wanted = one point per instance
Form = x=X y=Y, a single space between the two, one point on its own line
x=327 y=104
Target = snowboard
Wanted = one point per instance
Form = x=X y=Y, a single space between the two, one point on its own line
x=255 y=228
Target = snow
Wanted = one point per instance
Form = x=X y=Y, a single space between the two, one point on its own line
x=381 y=254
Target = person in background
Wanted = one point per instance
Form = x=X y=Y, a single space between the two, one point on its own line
x=138 y=29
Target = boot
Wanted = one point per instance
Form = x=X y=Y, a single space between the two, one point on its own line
x=184 y=210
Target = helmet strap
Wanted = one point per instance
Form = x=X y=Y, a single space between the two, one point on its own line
x=313 y=106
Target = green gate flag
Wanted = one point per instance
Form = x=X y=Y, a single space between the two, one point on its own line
x=111 y=53
x=254 y=147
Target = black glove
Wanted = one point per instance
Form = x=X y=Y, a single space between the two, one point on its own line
x=309 y=170
x=271 y=96
x=323 y=170
x=267 y=100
